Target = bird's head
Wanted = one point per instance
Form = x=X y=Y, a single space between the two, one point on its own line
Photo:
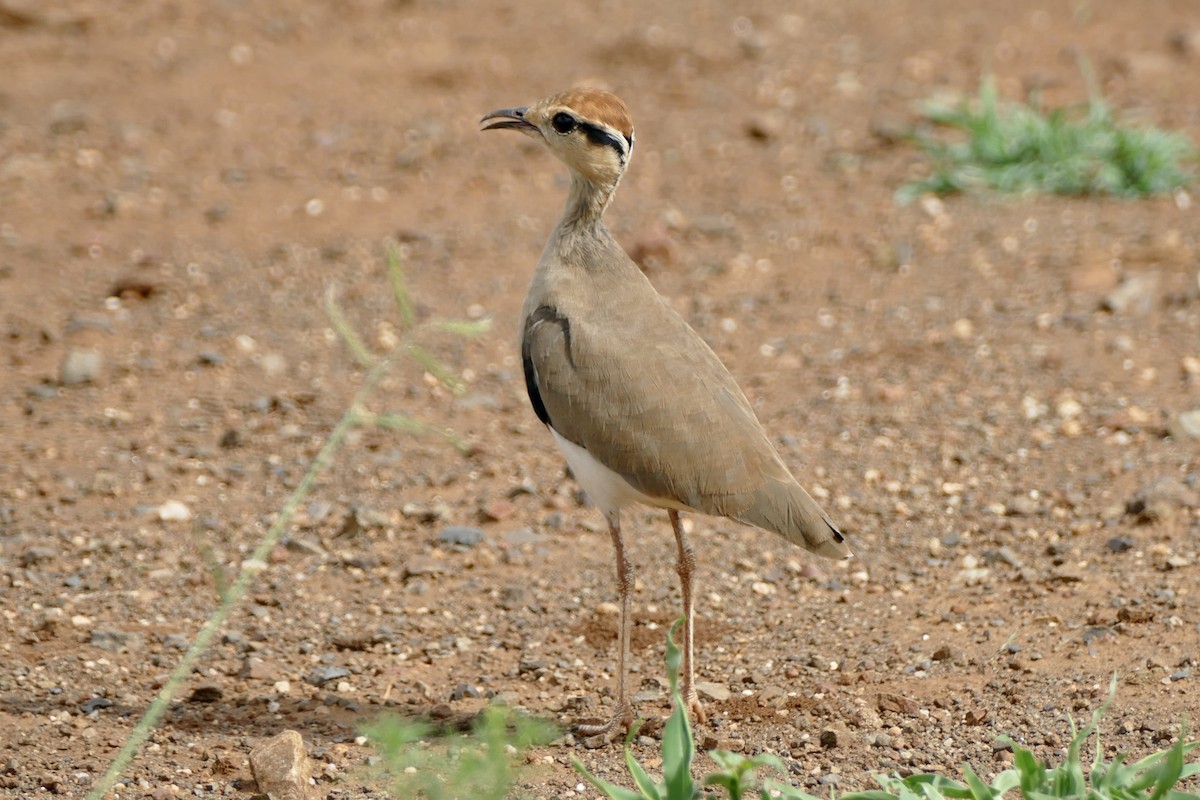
x=590 y=131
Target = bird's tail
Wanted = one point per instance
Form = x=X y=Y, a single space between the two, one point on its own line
x=788 y=510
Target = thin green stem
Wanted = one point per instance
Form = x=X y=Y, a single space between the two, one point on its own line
x=233 y=596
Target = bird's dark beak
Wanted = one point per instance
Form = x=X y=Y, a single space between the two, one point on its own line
x=513 y=118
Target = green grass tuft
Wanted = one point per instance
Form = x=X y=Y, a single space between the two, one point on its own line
x=1155 y=777
x=1018 y=148
x=479 y=766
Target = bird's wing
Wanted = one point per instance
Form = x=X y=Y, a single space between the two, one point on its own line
x=645 y=396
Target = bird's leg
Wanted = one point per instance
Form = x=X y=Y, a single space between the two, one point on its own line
x=622 y=717
x=686 y=566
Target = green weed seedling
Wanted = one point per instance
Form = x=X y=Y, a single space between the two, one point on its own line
x=1020 y=148
x=479 y=765
x=1155 y=777
x=736 y=774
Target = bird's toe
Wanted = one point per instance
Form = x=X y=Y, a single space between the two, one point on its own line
x=600 y=734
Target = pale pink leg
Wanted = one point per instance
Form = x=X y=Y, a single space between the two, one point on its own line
x=686 y=566
x=622 y=717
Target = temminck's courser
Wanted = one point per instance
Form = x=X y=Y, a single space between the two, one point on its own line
x=641 y=407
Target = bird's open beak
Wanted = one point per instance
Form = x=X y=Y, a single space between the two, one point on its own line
x=513 y=118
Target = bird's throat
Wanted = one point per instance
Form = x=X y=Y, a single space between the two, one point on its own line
x=586 y=204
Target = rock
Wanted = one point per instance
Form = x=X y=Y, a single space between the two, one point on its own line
x=1022 y=506
x=174 y=511
x=943 y=653
x=80 y=366
x=1066 y=573
x=460 y=536
x=304 y=546
x=1160 y=498
x=36 y=555
x=1003 y=555
x=207 y=693
x=1119 y=544
x=464 y=690
x=1185 y=425
x=422 y=513
x=423 y=565
x=174 y=641
x=497 y=511
x=896 y=704
x=520 y=537
x=1135 y=295
x=254 y=668
x=68 y=116
x=713 y=691
x=95 y=704
x=1135 y=616
x=114 y=641
x=324 y=674
x=831 y=738
x=765 y=126
x=281 y=767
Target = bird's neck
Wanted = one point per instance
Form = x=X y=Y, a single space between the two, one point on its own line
x=586 y=202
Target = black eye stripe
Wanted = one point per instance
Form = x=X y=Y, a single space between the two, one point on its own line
x=597 y=135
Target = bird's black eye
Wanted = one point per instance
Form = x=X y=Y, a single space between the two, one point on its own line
x=564 y=122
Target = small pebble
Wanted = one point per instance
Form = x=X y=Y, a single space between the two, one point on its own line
x=80 y=366
x=174 y=511
x=324 y=674
x=713 y=691
x=460 y=536
x=1119 y=544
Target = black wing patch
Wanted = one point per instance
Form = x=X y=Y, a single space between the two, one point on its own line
x=542 y=314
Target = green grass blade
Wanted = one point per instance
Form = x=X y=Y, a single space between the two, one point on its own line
x=1033 y=774
x=609 y=790
x=641 y=778
x=777 y=789
x=345 y=331
x=678 y=744
x=466 y=328
x=678 y=750
x=395 y=270
x=1169 y=770
x=979 y=789
x=435 y=368
x=869 y=794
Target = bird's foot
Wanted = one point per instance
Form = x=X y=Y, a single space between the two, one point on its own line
x=593 y=736
x=692 y=704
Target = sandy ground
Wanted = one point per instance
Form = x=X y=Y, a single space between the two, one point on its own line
x=180 y=185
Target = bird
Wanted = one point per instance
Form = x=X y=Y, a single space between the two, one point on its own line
x=641 y=407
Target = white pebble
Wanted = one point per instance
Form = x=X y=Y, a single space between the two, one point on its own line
x=1069 y=408
x=174 y=511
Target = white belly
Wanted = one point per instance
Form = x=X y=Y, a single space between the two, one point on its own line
x=606 y=489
